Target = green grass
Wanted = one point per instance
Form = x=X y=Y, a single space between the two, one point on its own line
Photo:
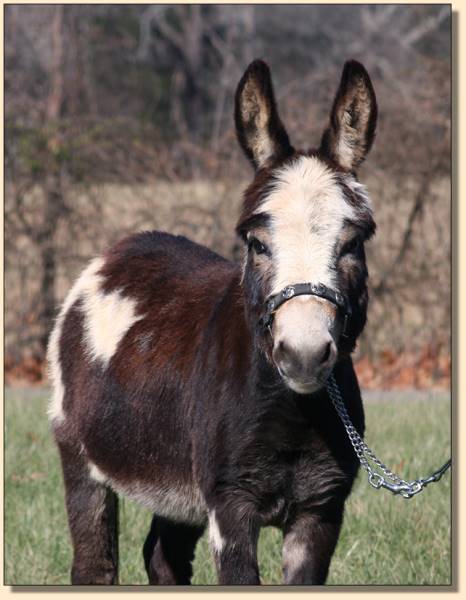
x=385 y=539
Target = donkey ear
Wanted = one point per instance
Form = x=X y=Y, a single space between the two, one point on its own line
x=351 y=130
x=258 y=127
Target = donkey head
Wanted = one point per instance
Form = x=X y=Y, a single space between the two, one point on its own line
x=305 y=219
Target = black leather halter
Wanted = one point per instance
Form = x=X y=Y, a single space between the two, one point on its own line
x=306 y=289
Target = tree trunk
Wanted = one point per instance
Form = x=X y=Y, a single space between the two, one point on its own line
x=48 y=255
x=54 y=201
x=56 y=96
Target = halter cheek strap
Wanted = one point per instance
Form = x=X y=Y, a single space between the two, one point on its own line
x=320 y=290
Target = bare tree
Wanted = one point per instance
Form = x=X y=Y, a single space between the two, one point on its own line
x=133 y=95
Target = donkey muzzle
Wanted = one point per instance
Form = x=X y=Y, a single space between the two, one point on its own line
x=306 y=369
x=305 y=331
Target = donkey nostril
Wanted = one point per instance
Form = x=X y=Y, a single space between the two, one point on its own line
x=300 y=363
x=283 y=354
x=326 y=354
x=281 y=350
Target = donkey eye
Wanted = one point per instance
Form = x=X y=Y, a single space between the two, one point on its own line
x=351 y=247
x=257 y=246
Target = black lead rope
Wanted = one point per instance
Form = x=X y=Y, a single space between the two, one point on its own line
x=389 y=480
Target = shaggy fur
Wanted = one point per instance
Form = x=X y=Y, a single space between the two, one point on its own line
x=168 y=390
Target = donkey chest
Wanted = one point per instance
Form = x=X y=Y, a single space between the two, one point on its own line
x=299 y=479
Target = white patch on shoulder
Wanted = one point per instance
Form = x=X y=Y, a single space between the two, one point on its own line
x=107 y=317
x=215 y=536
x=86 y=279
x=308 y=211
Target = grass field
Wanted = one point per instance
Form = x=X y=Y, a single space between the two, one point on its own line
x=385 y=540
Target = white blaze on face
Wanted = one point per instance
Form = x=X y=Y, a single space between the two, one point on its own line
x=308 y=211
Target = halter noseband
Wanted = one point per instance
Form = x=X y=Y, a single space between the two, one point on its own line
x=306 y=289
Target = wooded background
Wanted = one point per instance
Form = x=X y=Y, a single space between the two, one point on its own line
x=119 y=118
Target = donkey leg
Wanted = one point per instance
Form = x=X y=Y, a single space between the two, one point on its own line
x=233 y=538
x=169 y=551
x=150 y=543
x=93 y=520
x=308 y=545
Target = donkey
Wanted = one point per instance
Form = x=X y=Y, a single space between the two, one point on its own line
x=197 y=387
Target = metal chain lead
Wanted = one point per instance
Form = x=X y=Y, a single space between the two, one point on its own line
x=407 y=489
